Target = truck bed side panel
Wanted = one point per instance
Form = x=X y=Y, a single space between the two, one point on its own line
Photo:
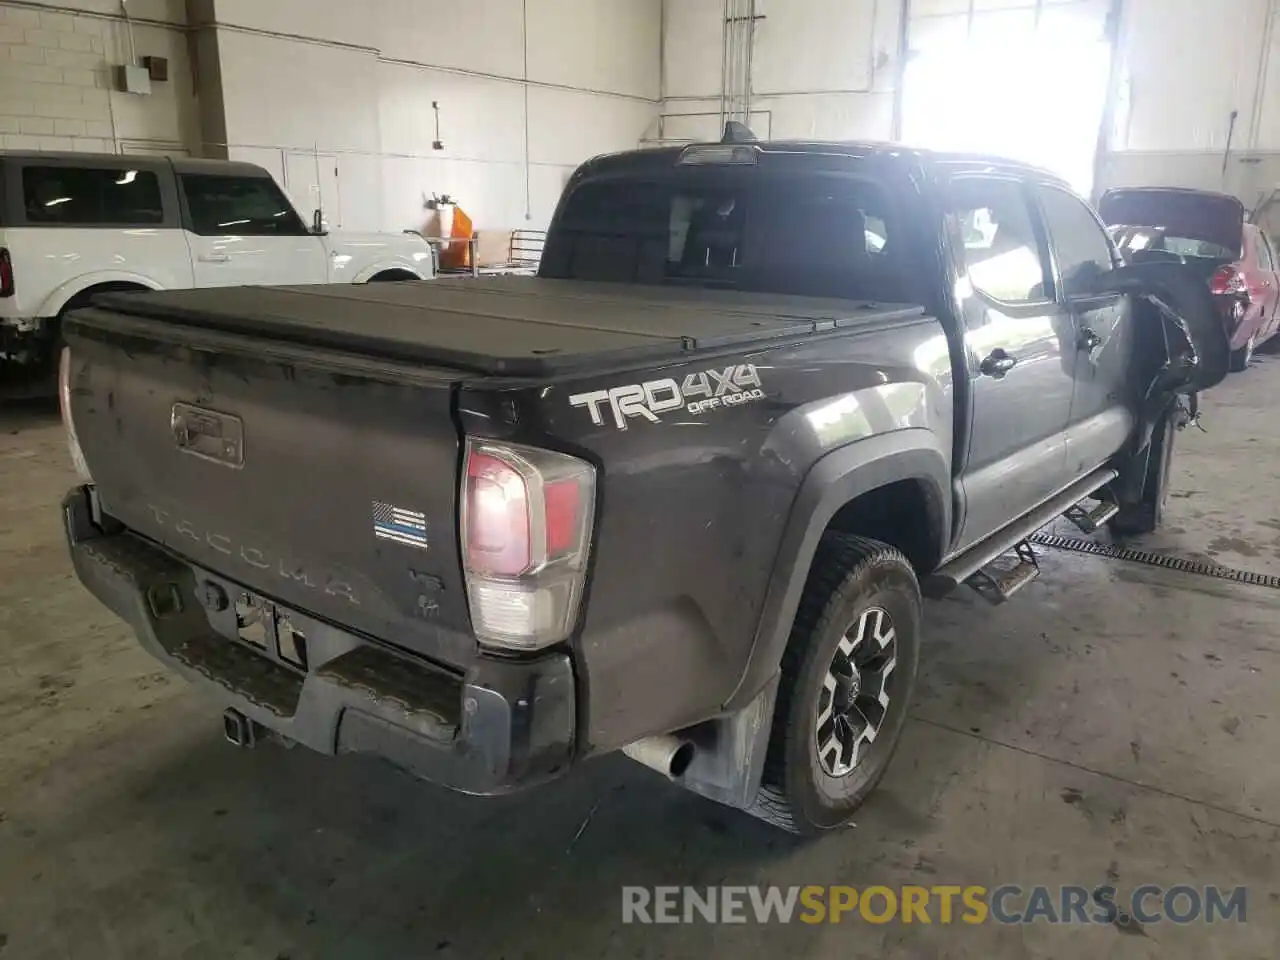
x=693 y=507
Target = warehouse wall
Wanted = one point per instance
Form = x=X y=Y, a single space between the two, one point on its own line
x=56 y=91
x=1184 y=67
x=822 y=69
x=282 y=81
x=518 y=111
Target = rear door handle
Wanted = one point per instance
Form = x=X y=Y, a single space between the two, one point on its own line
x=215 y=258
x=998 y=363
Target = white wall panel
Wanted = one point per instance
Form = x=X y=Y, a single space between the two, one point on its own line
x=831 y=116
x=491 y=193
x=805 y=45
x=296 y=94
x=480 y=35
x=360 y=185
x=480 y=119
x=1186 y=65
x=700 y=120
x=566 y=126
x=371 y=105
x=609 y=45
x=821 y=69
x=355 y=80
x=342 y=22
x=692 y=43
x=1268 y=131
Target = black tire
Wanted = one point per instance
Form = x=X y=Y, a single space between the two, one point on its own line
x=1240 y=359
x=1147 y=514
x=850 y=577
x=392 y=276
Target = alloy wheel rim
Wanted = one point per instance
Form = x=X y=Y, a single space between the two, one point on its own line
x=856 y=692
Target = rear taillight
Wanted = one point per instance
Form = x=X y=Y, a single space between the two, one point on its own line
x=64 y=403
x=526 y=532
x=6 y=273
x=1228 y=281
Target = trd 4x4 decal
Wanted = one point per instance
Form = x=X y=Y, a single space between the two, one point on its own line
x=699 y=393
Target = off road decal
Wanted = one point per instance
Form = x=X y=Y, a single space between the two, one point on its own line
x=697 y=394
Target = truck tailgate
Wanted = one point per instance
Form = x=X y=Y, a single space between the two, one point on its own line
x=324 y=481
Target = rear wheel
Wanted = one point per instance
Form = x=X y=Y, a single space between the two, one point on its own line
x=37 y=373
x=847 y=679
x=1241 y=358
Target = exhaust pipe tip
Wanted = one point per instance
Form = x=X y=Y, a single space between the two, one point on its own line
x=669 y=755
x=681 y=759
x=239 y=729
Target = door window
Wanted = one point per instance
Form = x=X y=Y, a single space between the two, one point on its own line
x=247 y=206
x=1079 y=240
x=89 y=196
x=1002 y=256
x=1265 y=260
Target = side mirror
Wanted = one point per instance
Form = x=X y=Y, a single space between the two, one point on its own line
x=1088 y=280
x=317 y=222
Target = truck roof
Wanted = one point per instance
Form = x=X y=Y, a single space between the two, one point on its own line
x=841 y=151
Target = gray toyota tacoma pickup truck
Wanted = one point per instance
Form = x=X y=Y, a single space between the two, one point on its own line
x=679 y=495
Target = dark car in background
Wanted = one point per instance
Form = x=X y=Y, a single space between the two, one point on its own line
x=1211 y=232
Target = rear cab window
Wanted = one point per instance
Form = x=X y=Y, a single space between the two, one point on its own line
x=807 y=234
x=247 y=206
x=64 y=195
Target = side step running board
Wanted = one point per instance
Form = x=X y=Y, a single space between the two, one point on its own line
x=959 y=569
x=997 y=585
x=1090 y=521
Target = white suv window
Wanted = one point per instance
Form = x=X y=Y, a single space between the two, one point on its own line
x=248 y=206
x=91 y=196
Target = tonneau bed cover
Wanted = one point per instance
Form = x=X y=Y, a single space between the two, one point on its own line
x=511 y=326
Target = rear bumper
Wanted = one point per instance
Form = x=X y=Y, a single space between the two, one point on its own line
x=502 y=726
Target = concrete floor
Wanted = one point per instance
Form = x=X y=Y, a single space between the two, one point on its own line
x=1116 y=721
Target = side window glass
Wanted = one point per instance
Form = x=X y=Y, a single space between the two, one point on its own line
x=248 y=206
x=1001 y=254
x=1080 y=242
x=86 y=196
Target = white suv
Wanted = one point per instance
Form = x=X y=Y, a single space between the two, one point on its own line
x=74 y=225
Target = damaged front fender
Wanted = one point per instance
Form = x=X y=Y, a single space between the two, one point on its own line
x=1185 y=346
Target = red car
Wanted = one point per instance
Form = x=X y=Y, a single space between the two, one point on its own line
x=1209 y=231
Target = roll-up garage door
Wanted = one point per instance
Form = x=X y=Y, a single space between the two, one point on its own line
x=1021 y=78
